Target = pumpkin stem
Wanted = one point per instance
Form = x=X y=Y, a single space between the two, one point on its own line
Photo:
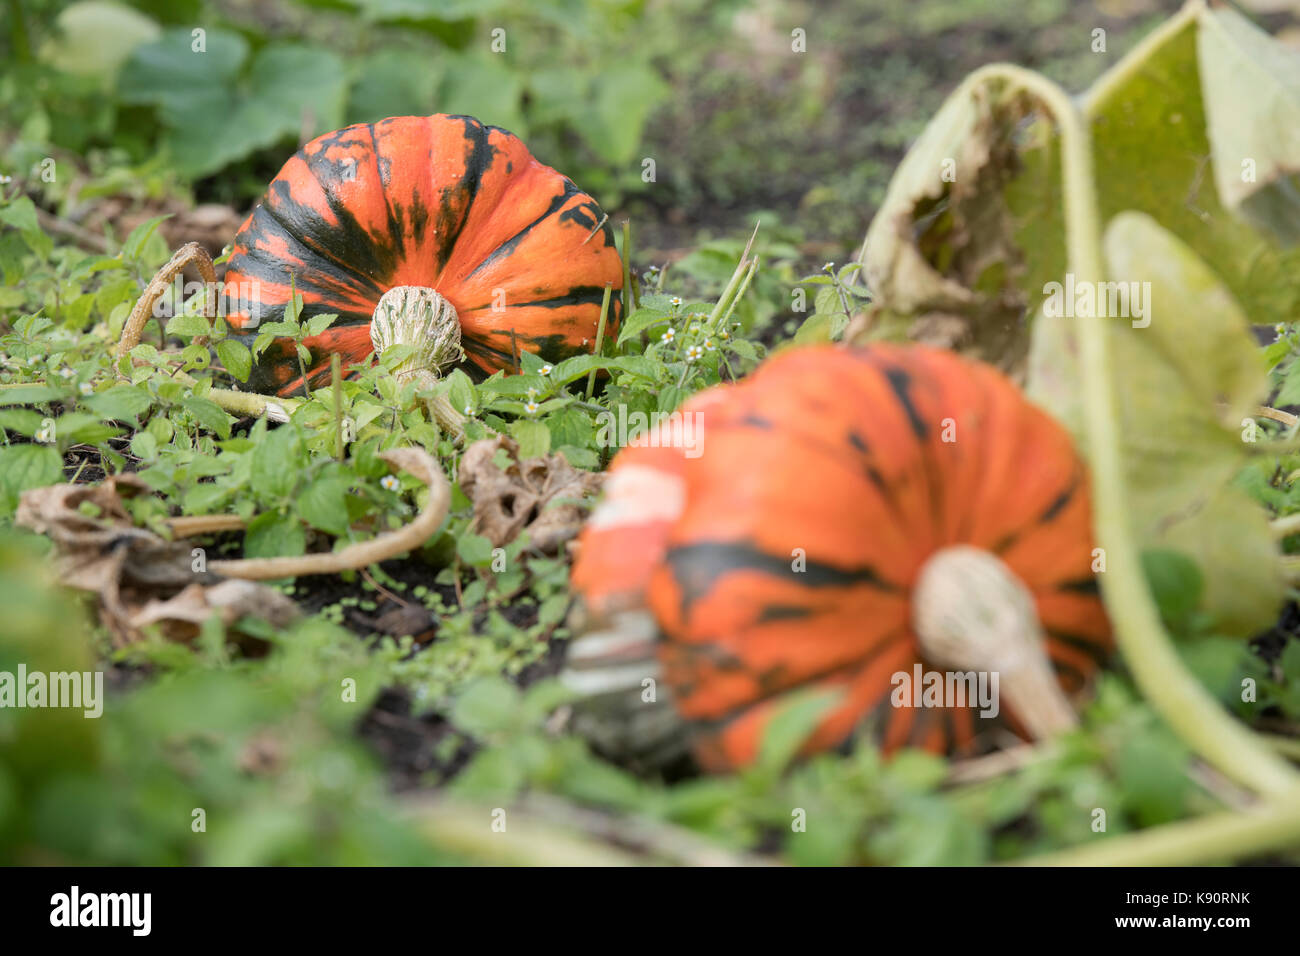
x=419 y=317
x=971 y=613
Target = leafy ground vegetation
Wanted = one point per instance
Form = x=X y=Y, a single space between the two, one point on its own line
x=386 y=714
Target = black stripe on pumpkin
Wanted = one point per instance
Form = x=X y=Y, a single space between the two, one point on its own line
x=1087 y=586
x=321 y=272
x=506 y=248
x=1098 y=651
x=482 y=155
x=1049 y=514
x=900 y=382
x=849 y=668
x=697 y=568
x=1058 y=505
x=784 y=612
x=588 y=215
x=578 y=295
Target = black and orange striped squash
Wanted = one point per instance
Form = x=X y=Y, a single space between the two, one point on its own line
x=854 y=513
x=444 y=203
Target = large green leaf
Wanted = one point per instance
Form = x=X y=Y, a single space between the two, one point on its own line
x=95 y=37
x=1155 y=153
x=219 y=106
x=971 y=227
x=1187 y=379
x=1256 y=150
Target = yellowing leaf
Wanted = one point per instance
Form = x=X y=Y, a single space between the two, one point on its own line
x=1256 y=149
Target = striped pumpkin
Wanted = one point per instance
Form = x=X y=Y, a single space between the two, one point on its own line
x=440 y=202
x=832 y=482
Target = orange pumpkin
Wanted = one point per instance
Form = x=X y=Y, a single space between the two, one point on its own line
x=856 y=512
x=518 y=252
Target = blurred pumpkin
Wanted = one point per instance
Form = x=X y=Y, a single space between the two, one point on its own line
x=855 y=512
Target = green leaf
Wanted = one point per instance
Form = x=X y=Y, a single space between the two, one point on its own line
x=1152 y=767
x=816 y=329
x=791 y=725
x=474 y=549
x=273 y=534
x=638 y=322
x=319 y=323
x=486 y=88
x=461 y=391
x=533 y=436
x=638 y=365
x=393 y=83
x=1156 y=153
x=323 y=505
x=29 y=395
x=1176 y=585
x=140 y=236
x=20 y=213
x=219 y=106
x=27 y=466
x=624 y=99
x=188 y=325
x=486 y=707
x=1189 y=378
x=969 y=228
x=275 y=463
x=209 y=415
x=236 y=358
x=94 y=38
x=1251 y=86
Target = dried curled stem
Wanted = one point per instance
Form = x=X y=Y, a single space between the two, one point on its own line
x=191 y=252
x=1277 y=415
x=413 y=460
x=187 y=526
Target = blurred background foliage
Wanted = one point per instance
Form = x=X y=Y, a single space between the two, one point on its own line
x=737 y=123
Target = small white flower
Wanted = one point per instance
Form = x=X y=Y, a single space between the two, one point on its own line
x=469 y=409
x=693 y=353
x=709 y=346
x=66 y=373
x=6 y=180
x=530 y=408
x=546 y=369
x=85 y=388
x=669 y=334
x=390 y=482
x=829 y=266
x=676 y=301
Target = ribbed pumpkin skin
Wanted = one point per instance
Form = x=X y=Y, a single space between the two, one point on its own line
x=438 y=201
x=840 y=452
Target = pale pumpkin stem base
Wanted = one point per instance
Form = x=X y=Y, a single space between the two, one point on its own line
x=420 y=318
x=971 y=613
